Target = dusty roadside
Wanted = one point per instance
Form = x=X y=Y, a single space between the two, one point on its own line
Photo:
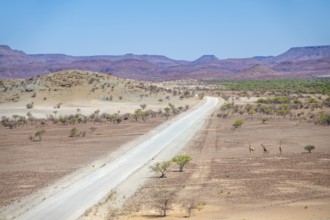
x=227 y=182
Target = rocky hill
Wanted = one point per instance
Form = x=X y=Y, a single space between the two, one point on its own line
x=296 y=62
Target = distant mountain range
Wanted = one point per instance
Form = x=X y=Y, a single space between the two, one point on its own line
x=295 y=63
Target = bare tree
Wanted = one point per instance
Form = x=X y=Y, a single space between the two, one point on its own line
x=163 y=200
x=189 y=205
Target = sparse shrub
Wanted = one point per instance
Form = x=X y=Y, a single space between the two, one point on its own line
x=309 y=148
x=265 y=109
x=7 y=122
x=63 y=120
x=161 y=168
x=111 y=117
x=283 y=110
x=143 y=106
x=261 y=100
x=189 y=206
x=34 y=95
x=29 y=105
x=251 y=111
x=238 y=123
x=74 y=132
x=323 y=119
x=227 y=106
x=96 y=113
x=181 y=161
x=163 y=201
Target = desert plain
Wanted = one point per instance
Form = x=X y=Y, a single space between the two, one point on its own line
x=247 y=162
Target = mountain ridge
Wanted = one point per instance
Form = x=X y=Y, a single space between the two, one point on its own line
x=306 y=61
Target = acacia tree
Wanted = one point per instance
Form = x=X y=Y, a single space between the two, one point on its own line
x=137 y=114
x=161 y=168
x=309 y=148
x=190 y=205
x=181 y=161
x=97 y=113
x=163 y=200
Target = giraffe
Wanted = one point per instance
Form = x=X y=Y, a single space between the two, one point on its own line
x=251 y=149
x=266 y=151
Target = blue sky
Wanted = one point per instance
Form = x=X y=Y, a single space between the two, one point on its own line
x=179 y=29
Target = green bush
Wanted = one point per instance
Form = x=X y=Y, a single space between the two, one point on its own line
x=238 y=123
x=181 y=161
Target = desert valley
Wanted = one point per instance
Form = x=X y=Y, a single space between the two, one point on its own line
x=261 y=152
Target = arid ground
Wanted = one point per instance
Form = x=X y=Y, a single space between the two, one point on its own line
x=225 y=181
x=29 y=165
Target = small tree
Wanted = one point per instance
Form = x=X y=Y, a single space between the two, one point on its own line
x=161 y=167
x=309 y=148
x=63 y=120
x=97 y=113
x=143 y=106
x=190 y=205
x=29 y=115
x=40 y=133
x=238 y=123
x=163 y=201
x=137 y=114
x=181 y=161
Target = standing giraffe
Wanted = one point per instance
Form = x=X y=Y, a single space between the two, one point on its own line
x=251 y=149
x=266 y=151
